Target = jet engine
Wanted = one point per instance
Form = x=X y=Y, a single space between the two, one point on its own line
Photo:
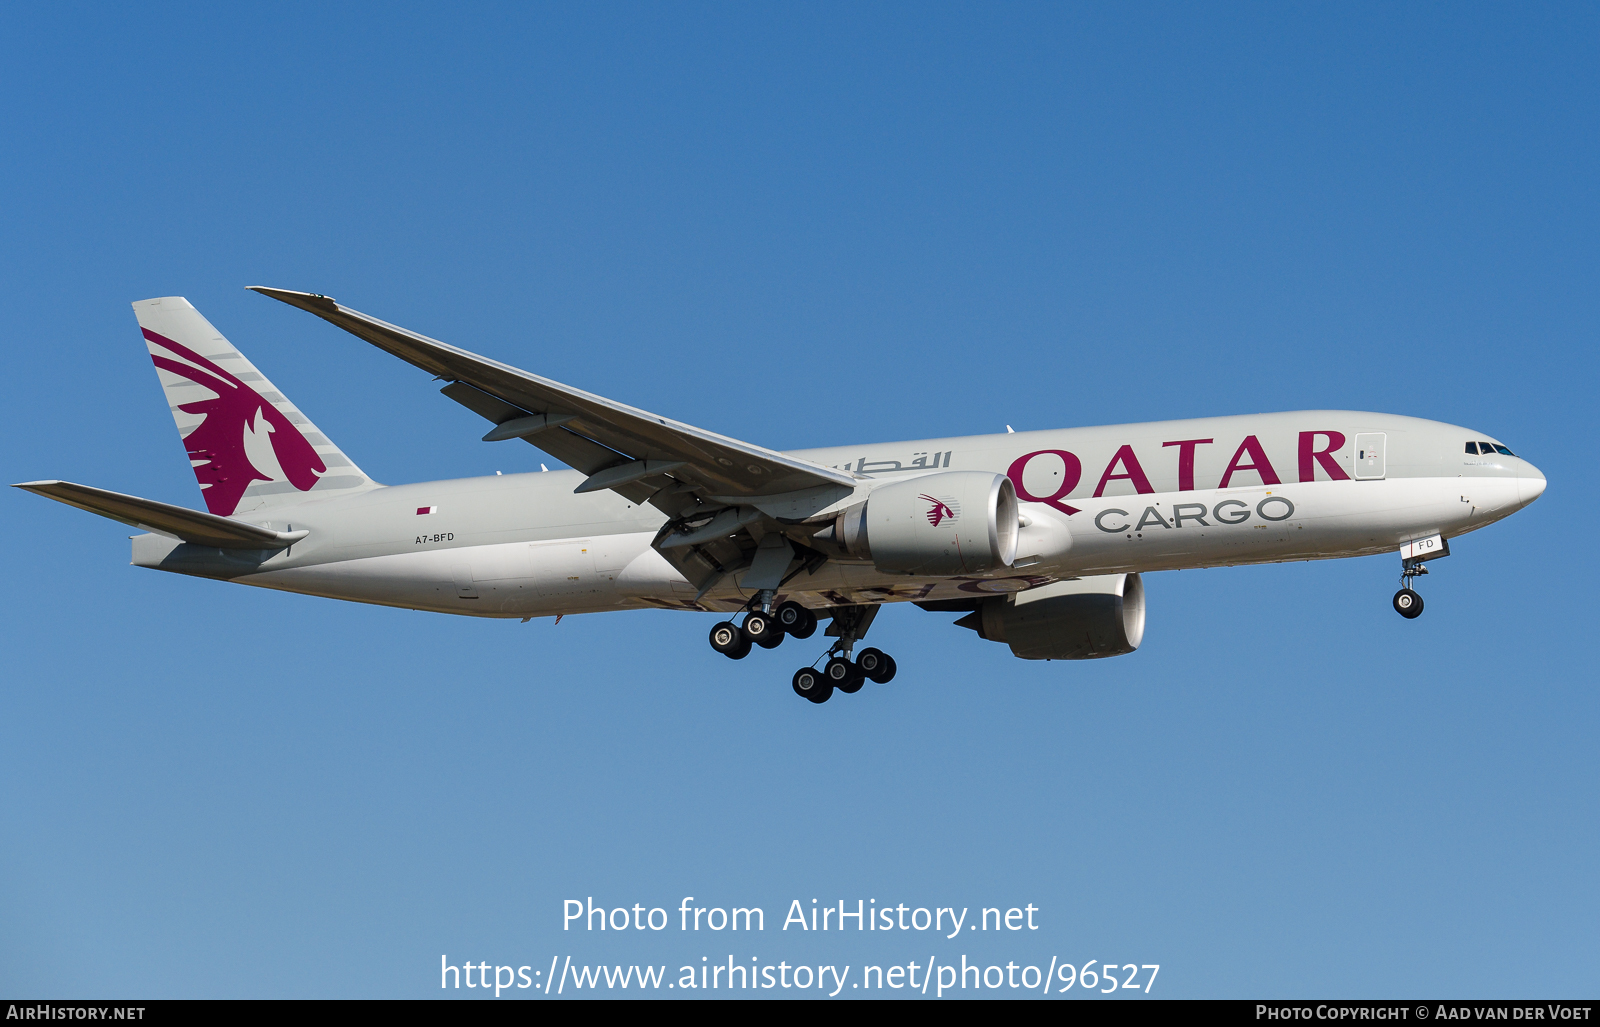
x=1086 y=619
x=937 y=525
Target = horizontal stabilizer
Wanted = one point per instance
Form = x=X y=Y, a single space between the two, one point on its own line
x=201 y=529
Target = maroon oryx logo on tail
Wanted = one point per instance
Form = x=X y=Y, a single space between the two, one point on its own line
x=940 y=511
x=216 y=445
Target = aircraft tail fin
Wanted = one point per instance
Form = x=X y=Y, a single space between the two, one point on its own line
x=250 y=447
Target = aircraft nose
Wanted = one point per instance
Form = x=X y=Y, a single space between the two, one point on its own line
x=1530 y=483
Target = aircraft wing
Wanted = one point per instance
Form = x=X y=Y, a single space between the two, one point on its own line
x=201 y=529
x=618 y=446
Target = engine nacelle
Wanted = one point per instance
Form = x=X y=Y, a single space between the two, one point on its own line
x=1087 y=619
x=936 y=525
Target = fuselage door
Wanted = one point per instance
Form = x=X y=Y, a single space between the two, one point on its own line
x=1370 y=459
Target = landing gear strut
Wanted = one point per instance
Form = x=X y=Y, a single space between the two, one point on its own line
x=1406 y=601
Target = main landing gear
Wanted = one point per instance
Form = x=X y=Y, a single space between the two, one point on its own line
x=764 y=629
x=839 y=673
x=842 y=674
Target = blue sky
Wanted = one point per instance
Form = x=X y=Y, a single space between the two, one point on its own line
x=805 y=225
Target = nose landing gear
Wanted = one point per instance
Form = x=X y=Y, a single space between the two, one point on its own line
x=1407 y=603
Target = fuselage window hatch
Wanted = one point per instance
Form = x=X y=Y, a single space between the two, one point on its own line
x=1371 y=461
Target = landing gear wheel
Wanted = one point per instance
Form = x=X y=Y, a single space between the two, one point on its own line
x=762 y=630
x=1408 y=604
x=875 y=664
x=727 y=639
x=809 y=683
x=796 y=619
x=843 y=675
x=888 y=675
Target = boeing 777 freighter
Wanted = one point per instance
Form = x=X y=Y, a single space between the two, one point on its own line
x=1039 y=538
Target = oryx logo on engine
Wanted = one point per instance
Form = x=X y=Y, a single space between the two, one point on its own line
x=946 y=509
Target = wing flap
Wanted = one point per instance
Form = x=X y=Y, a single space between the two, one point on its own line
x=201 y=529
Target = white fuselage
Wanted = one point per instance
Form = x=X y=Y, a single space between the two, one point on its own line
x=1117 y=499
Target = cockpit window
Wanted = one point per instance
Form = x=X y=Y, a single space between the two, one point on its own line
x=1486 y=448
x=1503 y=451
x=1472 y=447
